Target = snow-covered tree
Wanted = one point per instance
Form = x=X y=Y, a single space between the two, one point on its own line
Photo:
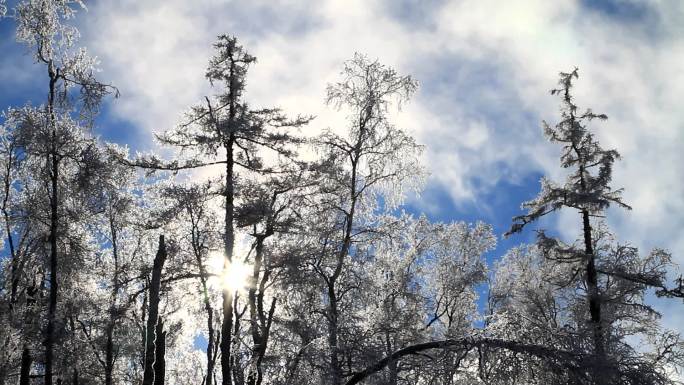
x=609 y=306
x=586 y=189
x=56 y=144
x=226 y=132
x=372 y=161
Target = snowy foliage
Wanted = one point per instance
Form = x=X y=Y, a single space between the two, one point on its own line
x=587 y=297
x=587 y=187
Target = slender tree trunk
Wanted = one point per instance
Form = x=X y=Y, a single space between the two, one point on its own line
x=333 y=309
x=211 y=356
x=236 y=359
x=25 y=371
x=197 y=251
x=109 y=354
x=159 y=353
x=264 y=343
x=592 y=285
x=260 y=323
x=53 y=161
x=74 y=377
x=229 y=242
x=109 y=345
x=392 y=366
x=210 y=344
x=333 y=317
x=256 y=316
x=217 y=349
x=143 y=320
x=229 y=237
x=254 y=326
x=591 y=274
x=15 y=273
x=52 y=304
x=153 y=313
x=14 y=264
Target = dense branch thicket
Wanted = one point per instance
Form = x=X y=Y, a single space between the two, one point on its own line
x=279 y=268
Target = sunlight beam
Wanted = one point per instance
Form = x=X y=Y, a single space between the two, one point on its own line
x=235 y=276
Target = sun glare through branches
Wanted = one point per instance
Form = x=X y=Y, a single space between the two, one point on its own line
x=234 y=276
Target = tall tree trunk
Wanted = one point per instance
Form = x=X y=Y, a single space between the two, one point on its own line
x=109 y=354
x=264 y=343
x=14 y=263
x=143 y=320
x=159 y=353
x=254 y=326
x=229 y=236
x=229 y=242
x=256 y=315
x=260 y=323
x=236 y=359
x=335 y=368
x=591 y=274
x=210 y=343
x=25 y=371
x=109 y=345
x=197 y=251
x=217 y=349
x=153 y=313
x=333 y=309
x=592 y=286
x=211 y=357
x=53 y=162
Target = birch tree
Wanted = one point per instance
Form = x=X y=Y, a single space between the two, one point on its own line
x=273 y=211
x=49 y=133
x=18 y=282
x=115 y=270
x=199 y=235
x=373 y=159
x=422 y=288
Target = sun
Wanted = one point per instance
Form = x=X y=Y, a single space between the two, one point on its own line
x=233 y=277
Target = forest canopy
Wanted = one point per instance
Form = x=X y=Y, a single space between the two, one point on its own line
x=253 y=247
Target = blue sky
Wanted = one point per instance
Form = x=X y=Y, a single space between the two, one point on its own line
x=485 y=68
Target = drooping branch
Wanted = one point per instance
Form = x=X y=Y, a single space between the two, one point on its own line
x=568 y=360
